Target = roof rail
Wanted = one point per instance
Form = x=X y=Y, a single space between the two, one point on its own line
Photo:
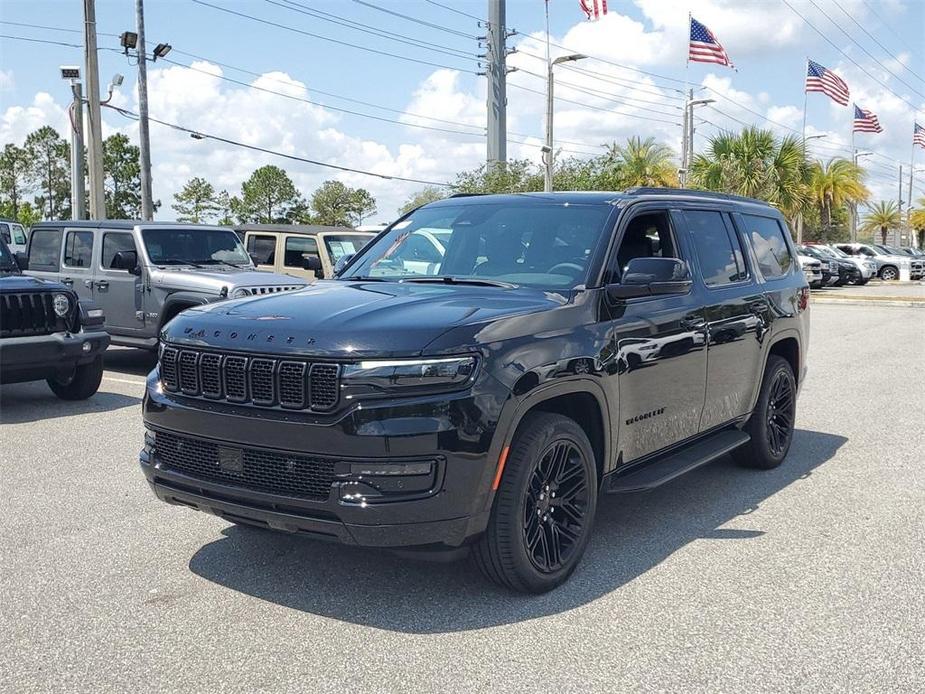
x=690 y=192
x=467 y=195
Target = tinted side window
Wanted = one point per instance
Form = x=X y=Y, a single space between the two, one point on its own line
x=263 y=248
x=45 y=249
x=717 y=248
x=112 y=244
x=78 y=248
x=297 y=247
x=767 y=238
x=5 y=233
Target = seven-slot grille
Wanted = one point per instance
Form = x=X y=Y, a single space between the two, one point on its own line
x=301 y=476
x=257 y=291
x=260 y=381
x=28 y=314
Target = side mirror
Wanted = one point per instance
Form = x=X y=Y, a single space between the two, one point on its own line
x=342 y=263
x=22 y=261
x=126 y=260
x=313 y=263
x=652 y=277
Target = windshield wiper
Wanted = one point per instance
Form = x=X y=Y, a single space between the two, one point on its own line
x=216 y=260
x=475 y=281
x=364 y=278
x=177 y=261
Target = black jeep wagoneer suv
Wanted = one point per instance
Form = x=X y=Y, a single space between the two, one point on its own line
x=480 y=371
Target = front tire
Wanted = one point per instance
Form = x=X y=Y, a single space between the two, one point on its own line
x=84 y=383
x=771 y=424
x=889 y=274
x=544 y=507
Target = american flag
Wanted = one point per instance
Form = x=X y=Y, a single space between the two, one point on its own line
x=595 y=9
x=821 y=79
x=704 y=48
x=865 y=121
x=918 y=136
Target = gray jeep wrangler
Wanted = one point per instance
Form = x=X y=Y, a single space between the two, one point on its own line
x=142 y=274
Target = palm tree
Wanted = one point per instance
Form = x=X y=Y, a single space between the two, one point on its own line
x=917 y=219
x=883 y=216
x=836 y=183
x=642 y=163
x=757 y=164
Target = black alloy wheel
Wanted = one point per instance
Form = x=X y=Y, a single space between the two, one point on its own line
x=772 y=422
x=554 y=506
x=781 y=412
x=543 y=508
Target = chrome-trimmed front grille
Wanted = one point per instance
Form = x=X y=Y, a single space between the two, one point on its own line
x=32 y=313
x=261 y=381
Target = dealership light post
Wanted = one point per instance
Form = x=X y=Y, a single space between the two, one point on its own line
x=548 y=151
x=854 y=205
x=71 y=73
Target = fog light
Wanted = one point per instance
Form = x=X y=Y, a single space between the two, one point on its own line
x=95 y=313
x=86 y=347
x=390 y=469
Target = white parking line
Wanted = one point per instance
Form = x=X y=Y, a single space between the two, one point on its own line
x=123 y=380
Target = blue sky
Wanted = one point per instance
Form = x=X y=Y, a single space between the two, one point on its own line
x=601 y=102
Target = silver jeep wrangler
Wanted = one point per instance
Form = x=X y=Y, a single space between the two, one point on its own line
x=142 y=274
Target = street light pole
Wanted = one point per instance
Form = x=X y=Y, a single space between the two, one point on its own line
x=78 y=190
x=548 y=150
x=689 y=119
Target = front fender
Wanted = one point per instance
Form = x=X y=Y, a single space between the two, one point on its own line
x=515 y=408
x=183 y=300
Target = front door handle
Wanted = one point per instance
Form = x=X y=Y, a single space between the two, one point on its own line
x=102 y=284
x=68 y=282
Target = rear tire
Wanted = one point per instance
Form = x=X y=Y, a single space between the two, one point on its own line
x=84 y=383
x=544 y=507
x=771 y=424
x=889 y=274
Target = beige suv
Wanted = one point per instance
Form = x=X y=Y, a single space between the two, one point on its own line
x=304 y=251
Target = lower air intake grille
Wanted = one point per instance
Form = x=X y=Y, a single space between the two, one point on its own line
x=300 y=476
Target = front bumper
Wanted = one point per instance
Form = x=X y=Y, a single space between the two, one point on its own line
x=36 y=357
x=454 y=431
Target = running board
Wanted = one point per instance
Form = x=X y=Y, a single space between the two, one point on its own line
x=671 y=465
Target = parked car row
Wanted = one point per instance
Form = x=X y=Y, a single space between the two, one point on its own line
x=857 y=263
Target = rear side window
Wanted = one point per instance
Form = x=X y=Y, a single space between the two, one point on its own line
x=78 y=248
x=5 y=233
x=262 y=248
x=771 y=251
x=19 y=234
x=112 y=244
x=718 y=248
x=45 y=249
x=297 y=247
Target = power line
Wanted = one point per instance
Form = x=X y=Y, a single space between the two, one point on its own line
x=320 y=91
x=847 y=57
x=368 y=29
x=415 y=20
x=889 y=28
x=876 y=40
x=49 y=28
x=459 y=12
x=868 y=53
x=199 y=135
x=595 y=108
x=329 y=39
x=321 y=105
x=45 y=41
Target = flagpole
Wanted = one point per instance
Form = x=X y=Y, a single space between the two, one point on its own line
x=912 y=232
x=803 y=146
x=685 y=162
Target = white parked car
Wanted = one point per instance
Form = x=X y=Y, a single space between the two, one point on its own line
x=867 y=267
x=812 y=270
x=14 y=235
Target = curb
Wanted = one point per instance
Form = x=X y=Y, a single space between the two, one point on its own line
x=901 y=303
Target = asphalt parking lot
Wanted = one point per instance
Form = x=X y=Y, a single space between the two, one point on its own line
x=810 y=577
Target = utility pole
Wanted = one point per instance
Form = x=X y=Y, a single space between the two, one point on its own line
x=497 y=82
x=78 y=189
x=901 y=201
x=914 y=242
x=144 y=140
x=95 y=130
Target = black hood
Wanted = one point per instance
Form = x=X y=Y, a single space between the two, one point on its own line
x=346 y=319
x=16 y=283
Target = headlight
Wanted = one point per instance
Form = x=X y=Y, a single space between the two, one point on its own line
x=62 y=304
x=239 y=292
x=382 y=376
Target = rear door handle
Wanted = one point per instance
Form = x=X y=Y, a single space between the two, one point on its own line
x=102 y=284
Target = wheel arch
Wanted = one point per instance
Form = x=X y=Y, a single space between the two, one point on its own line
x=177 y=302
x=580 y=399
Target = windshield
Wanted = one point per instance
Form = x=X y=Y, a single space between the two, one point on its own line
x=536 y=244
x=339 y=246
x=7 y=262
x=810 y=251
x=194 y=247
